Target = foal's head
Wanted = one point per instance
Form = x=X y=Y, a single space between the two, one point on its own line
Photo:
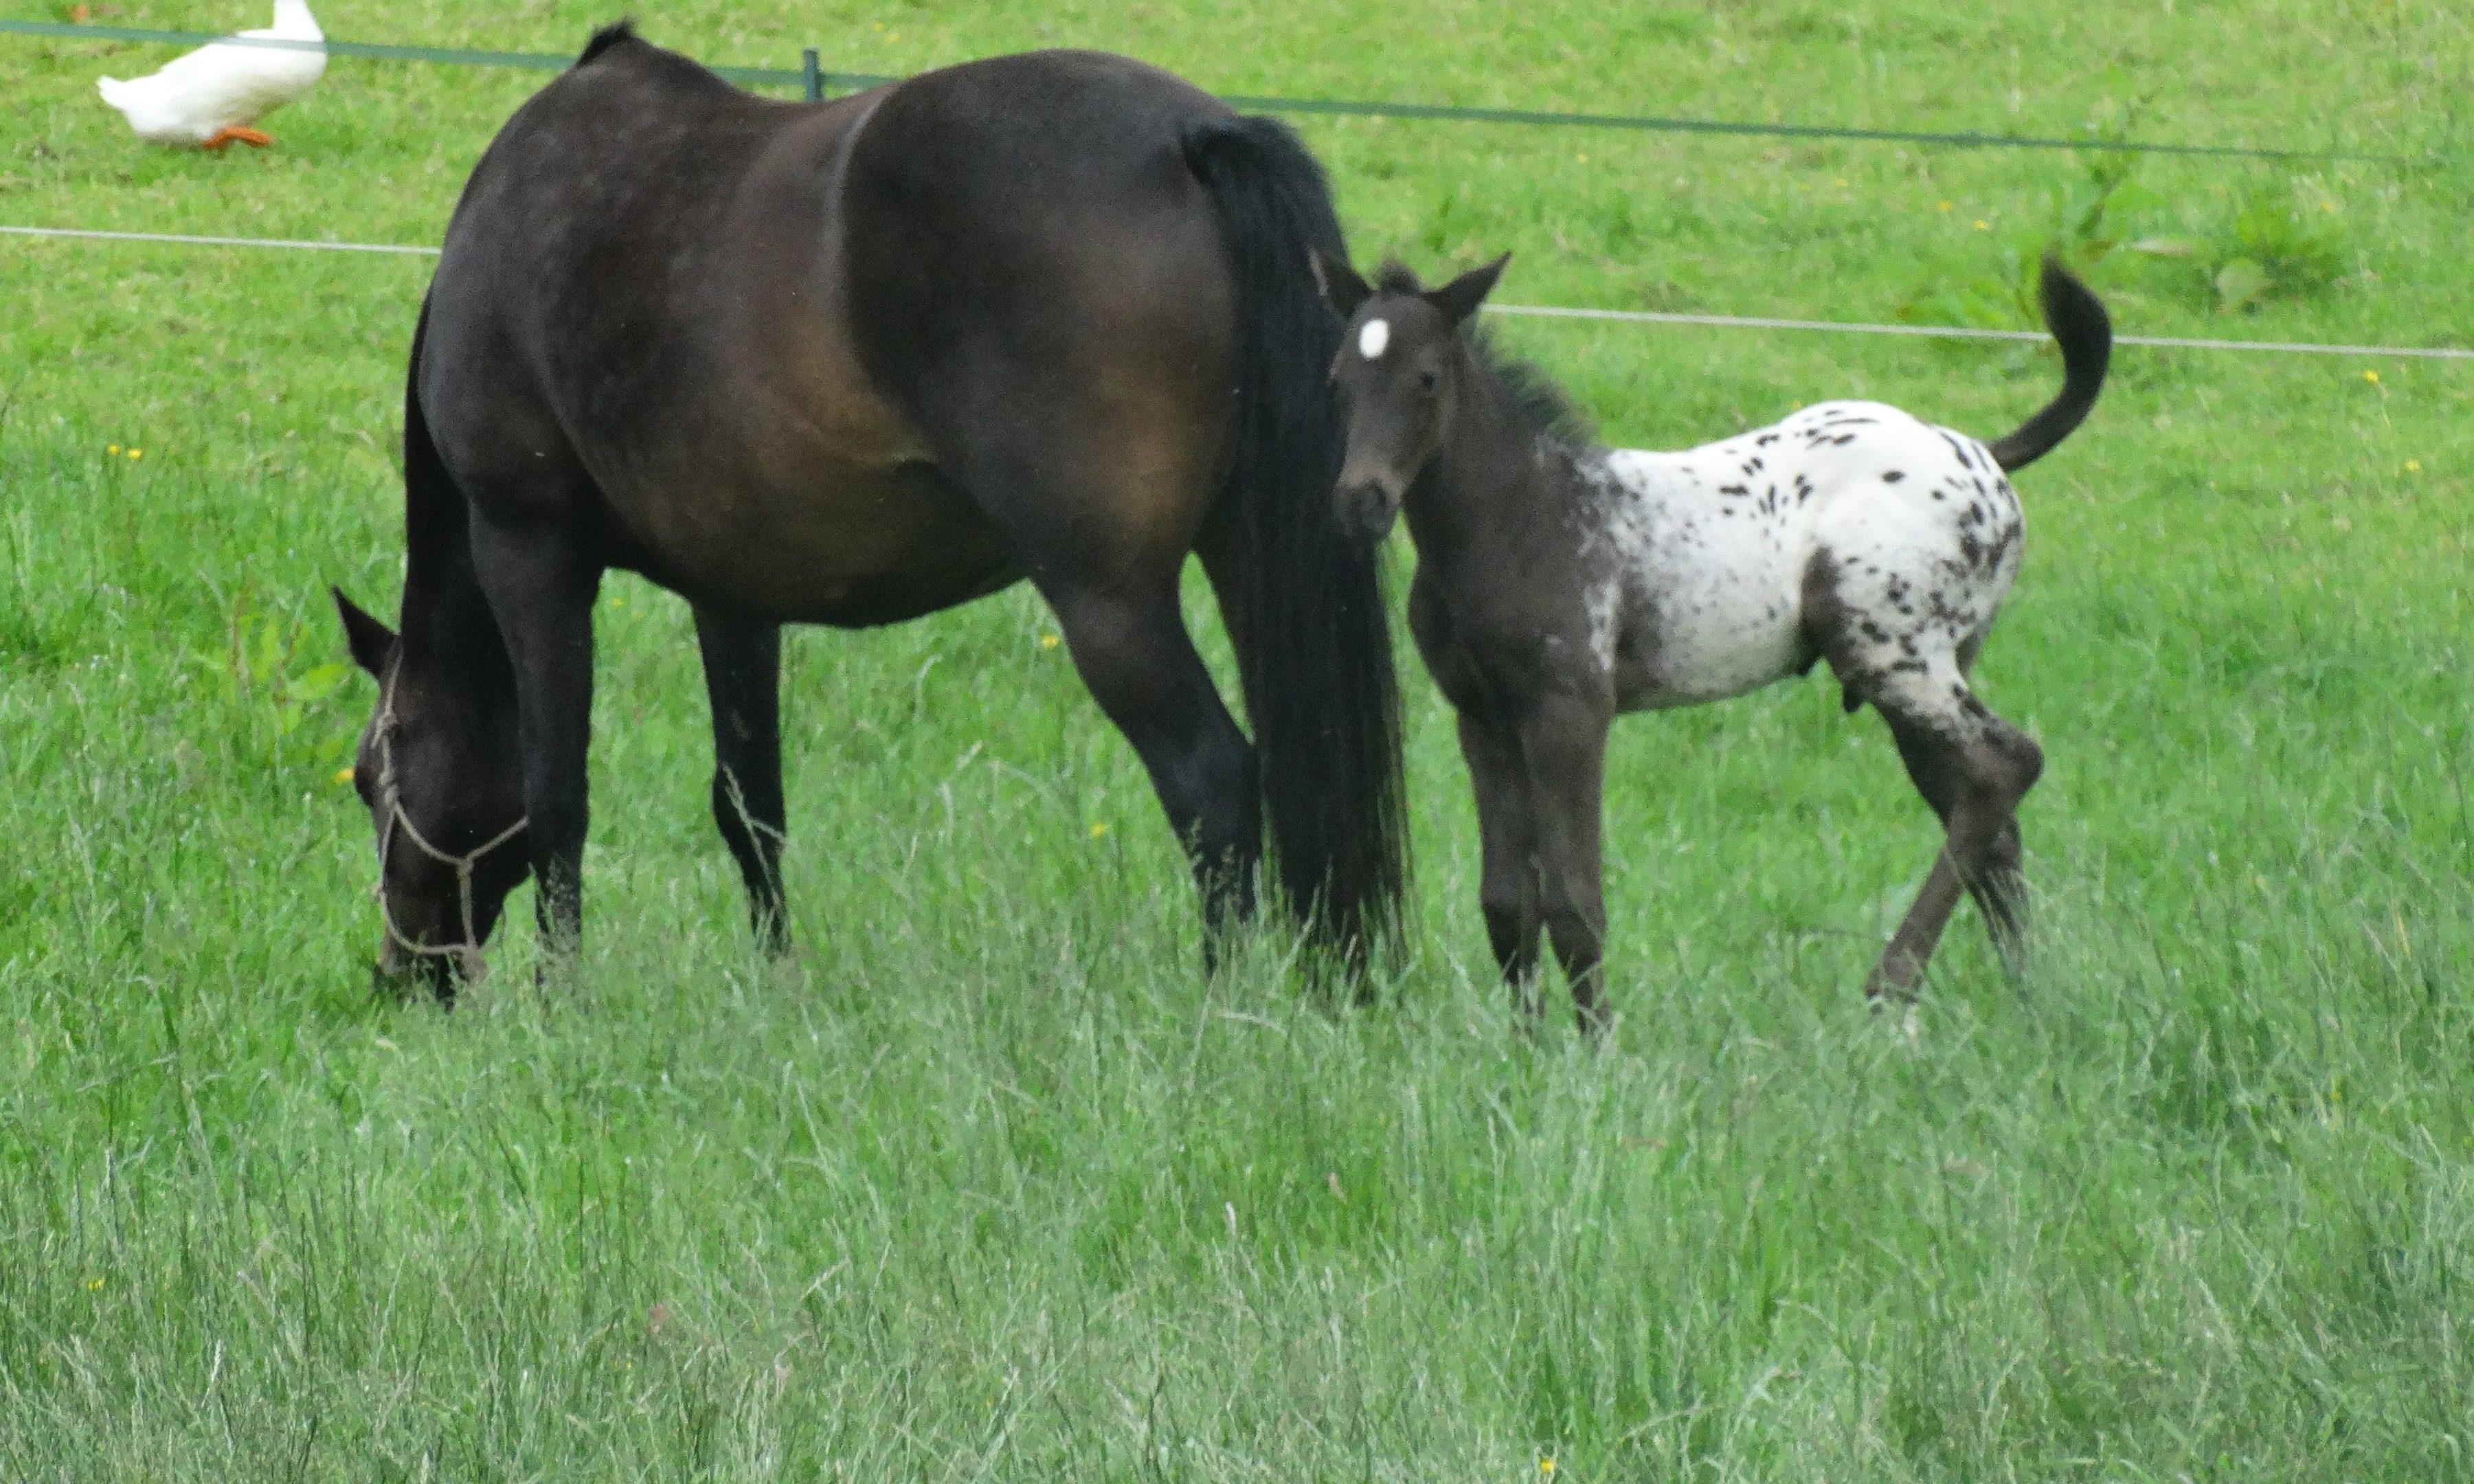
x=438 y=767
x=1401 y=374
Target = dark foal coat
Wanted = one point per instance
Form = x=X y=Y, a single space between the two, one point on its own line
x=1047 y=317
x=1560 y=584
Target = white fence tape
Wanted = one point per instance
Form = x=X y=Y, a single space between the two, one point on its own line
x=1550 y=311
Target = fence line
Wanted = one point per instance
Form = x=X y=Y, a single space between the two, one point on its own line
x=1972 y=332
x=186 y=240
x=815 y=79
x=1547 y=311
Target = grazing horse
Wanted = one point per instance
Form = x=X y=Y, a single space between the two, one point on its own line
x=1048 y=316
x=1560 y=583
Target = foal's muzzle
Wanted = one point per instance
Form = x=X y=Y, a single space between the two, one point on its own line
x=1368 y=508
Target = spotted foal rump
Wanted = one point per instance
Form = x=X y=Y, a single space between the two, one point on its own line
x=1560 y=584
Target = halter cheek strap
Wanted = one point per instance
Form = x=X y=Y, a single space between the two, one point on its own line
x=467 y=954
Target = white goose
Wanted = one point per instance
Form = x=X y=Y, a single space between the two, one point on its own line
x=210 y=96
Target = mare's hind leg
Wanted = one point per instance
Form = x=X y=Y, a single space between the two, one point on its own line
x=1135 y=654
x=742 y=667
x=1973 y=767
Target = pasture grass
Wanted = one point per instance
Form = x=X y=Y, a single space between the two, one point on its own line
x=987 y=1182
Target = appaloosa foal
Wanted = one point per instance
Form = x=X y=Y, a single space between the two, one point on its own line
x=1560 y=583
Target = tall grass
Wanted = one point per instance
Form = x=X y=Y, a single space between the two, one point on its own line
x=987 y=1181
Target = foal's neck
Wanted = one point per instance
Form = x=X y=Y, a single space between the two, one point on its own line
x=1493 y=485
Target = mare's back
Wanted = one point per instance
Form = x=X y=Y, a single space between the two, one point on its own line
x=629 y=152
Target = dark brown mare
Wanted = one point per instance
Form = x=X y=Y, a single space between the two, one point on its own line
x=1048 y=316
x=1560 y=583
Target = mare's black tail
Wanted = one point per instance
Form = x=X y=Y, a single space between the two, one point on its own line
x=1314 y=639
x=2085 y=334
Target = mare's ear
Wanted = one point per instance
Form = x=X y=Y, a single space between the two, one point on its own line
x=1459 y=298
x=370 y=641
x=1341 y=289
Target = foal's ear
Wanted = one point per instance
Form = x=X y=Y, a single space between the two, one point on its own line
x=1459 y=298
x=370 y=641
x=1341 y=289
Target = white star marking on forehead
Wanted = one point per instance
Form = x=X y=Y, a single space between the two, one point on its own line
x=1371 y=339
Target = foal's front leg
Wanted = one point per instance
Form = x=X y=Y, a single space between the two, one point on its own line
x=1564 y=745
x=542 y=591
x=1508 y=884
x=742 y=670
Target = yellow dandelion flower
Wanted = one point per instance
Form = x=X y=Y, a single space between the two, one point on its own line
x=94 y=1286
x=1546 y=1466
x=1047 y=641
x=1841 y=185
x=1981 y=225
x=2371 y=377
x=2413 y=466
x=134 y=454
x=1943 y=207
x=112 y=449
x=343 y=776
x=1099 y=829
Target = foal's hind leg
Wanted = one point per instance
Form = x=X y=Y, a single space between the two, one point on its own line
x=1973 y=767
x=742 y=667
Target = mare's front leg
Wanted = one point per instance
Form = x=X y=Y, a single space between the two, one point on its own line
x=742 y=670
x=541 y=588
x=1564 y=745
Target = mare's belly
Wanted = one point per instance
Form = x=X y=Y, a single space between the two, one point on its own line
x=843 y=545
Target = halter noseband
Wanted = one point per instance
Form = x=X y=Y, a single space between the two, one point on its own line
x=468 y=953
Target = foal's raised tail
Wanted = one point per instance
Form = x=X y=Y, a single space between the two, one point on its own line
x=1312 y=634
x=2084 y=331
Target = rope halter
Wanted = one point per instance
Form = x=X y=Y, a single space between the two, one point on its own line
x=467 y=954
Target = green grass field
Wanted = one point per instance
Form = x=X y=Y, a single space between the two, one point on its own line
x=988 y=1183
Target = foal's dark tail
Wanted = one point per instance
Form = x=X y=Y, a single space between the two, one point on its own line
x=1313 y=638
x=2085 y=334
